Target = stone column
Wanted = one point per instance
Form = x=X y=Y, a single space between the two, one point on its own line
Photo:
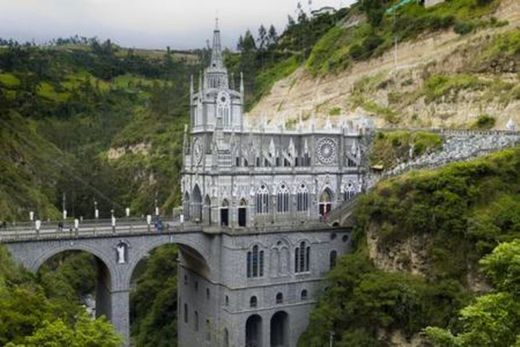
x=120 y=302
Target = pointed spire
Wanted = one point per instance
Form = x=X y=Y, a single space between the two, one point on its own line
x=216 y=51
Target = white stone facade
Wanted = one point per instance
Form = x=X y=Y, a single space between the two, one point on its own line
x=262 y=193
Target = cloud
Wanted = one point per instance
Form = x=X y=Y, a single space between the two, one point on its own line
x=144 y=23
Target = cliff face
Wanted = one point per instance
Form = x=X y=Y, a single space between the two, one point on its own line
x=442 y=79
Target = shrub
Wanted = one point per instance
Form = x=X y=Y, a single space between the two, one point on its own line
x=484 y=122
x=463 y=28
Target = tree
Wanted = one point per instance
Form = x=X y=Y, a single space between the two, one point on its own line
x=493 y=319
x=262 y=38
x=272 y=36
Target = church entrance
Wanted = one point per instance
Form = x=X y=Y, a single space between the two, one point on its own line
x=254 y=331
x=279 y=329
x=224 y=214
x=325 y=204
x=242 y=213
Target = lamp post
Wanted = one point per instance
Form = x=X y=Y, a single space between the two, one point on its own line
x=38 y=225
x=113 y=221
x=96 y=211
x=156 y=205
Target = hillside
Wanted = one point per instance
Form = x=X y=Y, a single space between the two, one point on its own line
x=419 y=238
x=66 y=109
x=442 y=78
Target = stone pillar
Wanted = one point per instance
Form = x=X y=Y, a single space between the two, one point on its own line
x=120 y=302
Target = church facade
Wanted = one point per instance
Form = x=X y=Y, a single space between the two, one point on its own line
x=264 y=192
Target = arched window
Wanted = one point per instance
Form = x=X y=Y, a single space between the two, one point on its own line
x=283 y=199
x=279 y=298
x=185 y=279
x=332 y=259
x=227 y=300
x=255 y=262
x=185 y=313
x=196 y=285
x=207 y=293
x=196 y=317
x=302 y=257
x=304 y=294
x=253 y=302
x=302 y=201
x=262 y=200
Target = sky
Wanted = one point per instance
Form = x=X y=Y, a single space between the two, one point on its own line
x=180 y=24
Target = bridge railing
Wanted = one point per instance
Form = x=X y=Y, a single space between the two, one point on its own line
x=27 y=231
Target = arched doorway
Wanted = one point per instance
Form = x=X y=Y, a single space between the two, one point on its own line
x=207 y=208
x=325 y=203
x=197 y=204
x=254 y=331
x=224 y=213
x=242 y=213
x=280 y=329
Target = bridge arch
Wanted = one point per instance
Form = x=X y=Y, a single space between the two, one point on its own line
x=194 y=254
x=48 y=253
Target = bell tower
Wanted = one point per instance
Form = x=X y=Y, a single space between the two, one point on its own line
x=216 y=105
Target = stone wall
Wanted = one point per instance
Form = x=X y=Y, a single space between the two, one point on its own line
x=459 y=145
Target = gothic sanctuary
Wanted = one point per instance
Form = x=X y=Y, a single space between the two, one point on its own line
x=264 y=192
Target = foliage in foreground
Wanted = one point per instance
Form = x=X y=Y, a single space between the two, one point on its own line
x=362 y=299
x=492 y=319
x=30 y=318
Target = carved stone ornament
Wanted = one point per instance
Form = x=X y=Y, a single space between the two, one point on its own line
x=197 y=151
x=326 y=150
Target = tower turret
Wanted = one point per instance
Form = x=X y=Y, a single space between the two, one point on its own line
x=216 y=75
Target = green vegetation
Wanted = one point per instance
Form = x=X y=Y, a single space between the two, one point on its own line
x=466 y=209
x=269 y=75
x=492 y=319
x=60 y=108
x=335 y=111
x=362 y=300
x=502 y=46
x=461 y=213
x=30 y=318
x=9 y=80
x=154 y=301
x=394 y=147
x=336 y=49
x=484 y=122
x=437 y=86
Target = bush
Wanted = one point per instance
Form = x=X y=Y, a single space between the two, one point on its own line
x=463 y=28
x=484 y=122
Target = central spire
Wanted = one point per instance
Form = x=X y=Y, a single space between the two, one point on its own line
x=216 y=52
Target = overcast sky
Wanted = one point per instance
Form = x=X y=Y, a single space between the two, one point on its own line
x=180 y=24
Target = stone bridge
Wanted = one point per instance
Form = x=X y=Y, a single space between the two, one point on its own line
x=117 y=251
